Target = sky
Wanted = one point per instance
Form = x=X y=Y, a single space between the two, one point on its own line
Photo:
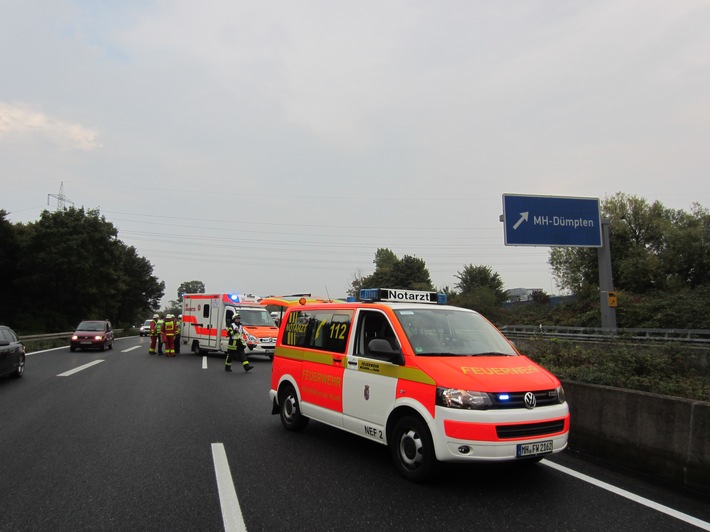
x=272 y=147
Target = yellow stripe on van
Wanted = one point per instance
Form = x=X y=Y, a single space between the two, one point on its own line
x=318 y=357
x=414 y=375
x=366 y=366
x=398 y=372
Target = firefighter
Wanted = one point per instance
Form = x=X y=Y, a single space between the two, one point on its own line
x=153 y=333
x=237 y=345
x=161 y=340
x=178 y=328
x=169 y=328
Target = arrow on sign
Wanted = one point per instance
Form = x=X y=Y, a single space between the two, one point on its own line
x=523 y=218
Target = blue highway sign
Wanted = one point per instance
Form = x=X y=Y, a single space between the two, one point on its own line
x=551 y=221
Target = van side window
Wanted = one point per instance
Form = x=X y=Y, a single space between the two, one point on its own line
x=205 y=311
x=373 y=324
x=325 y=330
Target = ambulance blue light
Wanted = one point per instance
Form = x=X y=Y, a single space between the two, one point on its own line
x=234 y=297
x=351 y=299
x=503 y=397
x=373 y=294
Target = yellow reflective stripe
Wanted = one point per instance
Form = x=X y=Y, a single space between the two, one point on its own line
x=398 y=372
x=366 y=366
x=414 y=375
x=318 y=357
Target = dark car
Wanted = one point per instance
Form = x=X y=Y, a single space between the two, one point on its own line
x=12 y=353
x=92 y=334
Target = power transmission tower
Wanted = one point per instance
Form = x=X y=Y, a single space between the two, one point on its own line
x=62 y=200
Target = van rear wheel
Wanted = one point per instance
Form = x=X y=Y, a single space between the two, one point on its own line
x=412 y=449
x=290 y=410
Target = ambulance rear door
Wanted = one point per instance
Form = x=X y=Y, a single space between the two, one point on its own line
x=370 y=381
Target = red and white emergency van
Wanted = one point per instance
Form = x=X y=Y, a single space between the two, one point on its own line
x=431 y=381
x=206 y=317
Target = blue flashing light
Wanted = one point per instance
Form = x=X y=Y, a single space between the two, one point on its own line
x=372 y=294
x=350 y=299
x=441 y=299
x=234 y=297
x=503 y=397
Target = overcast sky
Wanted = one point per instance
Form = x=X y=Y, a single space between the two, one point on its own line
x=272 y=147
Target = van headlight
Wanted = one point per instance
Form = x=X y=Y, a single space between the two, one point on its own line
x=561 y=394
x=453 y=398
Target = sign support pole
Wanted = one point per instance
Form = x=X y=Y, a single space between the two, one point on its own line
x=606 y=282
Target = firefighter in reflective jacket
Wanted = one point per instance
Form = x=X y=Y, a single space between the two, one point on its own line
x=161 y=340
x=237 y=345
x=178 y=327
x=169 y=329
x=154 y=332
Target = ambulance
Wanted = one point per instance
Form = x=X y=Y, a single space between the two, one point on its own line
x=206 y=317
x=432 y=382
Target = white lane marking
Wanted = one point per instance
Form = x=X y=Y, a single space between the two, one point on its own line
x=80 y=368
x=131 y=348
x=231 y=512
x=704 y=525
x=204 y=362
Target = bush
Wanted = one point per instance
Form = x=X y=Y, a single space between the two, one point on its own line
x=667 y=369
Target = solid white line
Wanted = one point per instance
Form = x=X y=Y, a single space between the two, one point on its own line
x=204 y=362
x=704 y=525
x=80 y=368
x=131 y=348
x=231 y=512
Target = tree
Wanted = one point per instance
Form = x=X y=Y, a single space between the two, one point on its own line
x=9 y=256
x=190 y=287
x=540 y=297
x=72 y=266
x=391 y=272
x=140 y=289
x=652 y=248
x=473 y=278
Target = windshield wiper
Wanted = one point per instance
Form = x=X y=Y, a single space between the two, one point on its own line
x=490 y=354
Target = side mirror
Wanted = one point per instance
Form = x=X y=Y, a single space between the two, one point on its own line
x=381 y=347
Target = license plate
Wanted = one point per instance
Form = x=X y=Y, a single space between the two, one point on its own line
x=85 y=342
x=533 y=449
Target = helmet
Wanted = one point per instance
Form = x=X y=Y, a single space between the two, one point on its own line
x=169 y=316
x=180 y=317
x=236 y=316
x=155 y=316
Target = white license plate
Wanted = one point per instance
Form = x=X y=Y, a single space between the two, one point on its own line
x=85 y=342
x=533 y=449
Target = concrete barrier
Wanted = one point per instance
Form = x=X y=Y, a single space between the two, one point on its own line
x=665 y=437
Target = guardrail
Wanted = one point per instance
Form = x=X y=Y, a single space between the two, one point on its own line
x=56 y=336
x=697 y=336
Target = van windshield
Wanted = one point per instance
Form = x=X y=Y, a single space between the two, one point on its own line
x=448 y=331
x=256 y=318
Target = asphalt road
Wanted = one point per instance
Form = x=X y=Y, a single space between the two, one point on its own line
x=140 y=442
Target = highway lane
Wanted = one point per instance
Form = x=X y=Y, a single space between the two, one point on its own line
x=128 y=444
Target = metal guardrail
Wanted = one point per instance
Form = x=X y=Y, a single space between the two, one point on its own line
x=698 y=336
x=54 y=336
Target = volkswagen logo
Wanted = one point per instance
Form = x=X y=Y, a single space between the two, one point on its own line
x=530 y=401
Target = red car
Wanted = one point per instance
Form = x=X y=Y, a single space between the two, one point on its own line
x=92 y=334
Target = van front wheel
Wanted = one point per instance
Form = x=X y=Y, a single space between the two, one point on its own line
x=412 y=449
x=290 y=410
